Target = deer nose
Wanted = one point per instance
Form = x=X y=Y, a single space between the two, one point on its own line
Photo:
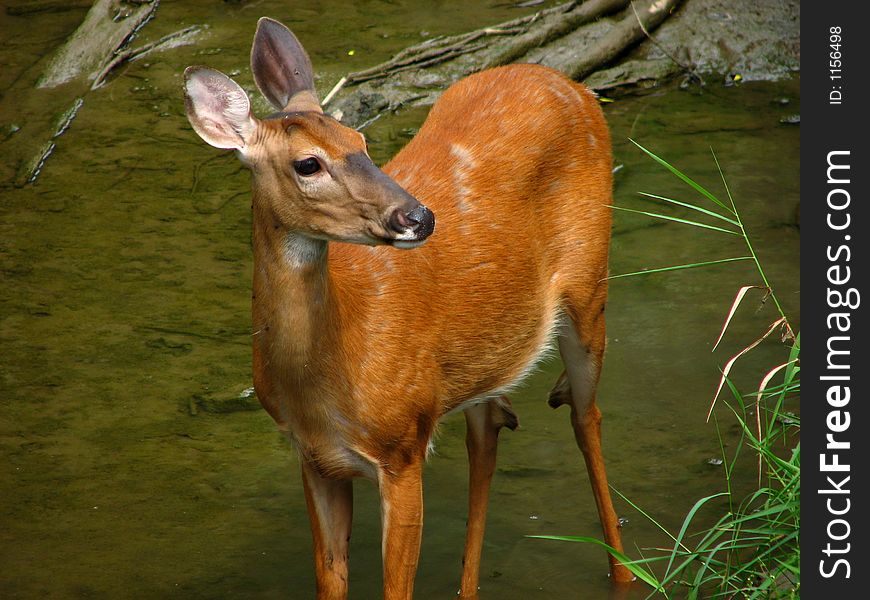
x=420 y=221
x=424 y=221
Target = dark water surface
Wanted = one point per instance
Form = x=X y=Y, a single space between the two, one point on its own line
x=125 y=295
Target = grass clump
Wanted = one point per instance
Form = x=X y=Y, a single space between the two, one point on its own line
x=752 y=549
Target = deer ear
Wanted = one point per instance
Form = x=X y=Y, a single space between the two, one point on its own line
x=282 y=69
x=218 y=108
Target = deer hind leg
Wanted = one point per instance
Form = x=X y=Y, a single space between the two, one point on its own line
x=582 y=348
x=483 y=422
x=330 y=509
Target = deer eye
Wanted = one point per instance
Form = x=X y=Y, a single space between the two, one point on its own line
x=306 y=166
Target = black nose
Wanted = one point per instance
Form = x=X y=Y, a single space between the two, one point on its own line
x=420 y=220
x=423 y=221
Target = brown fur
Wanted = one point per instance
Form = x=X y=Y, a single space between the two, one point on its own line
x=360 y=350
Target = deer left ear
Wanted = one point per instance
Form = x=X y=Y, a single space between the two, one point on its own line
x=282 y=69
x=218 y=108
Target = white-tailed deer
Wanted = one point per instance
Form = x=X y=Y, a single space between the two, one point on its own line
x=359 y=349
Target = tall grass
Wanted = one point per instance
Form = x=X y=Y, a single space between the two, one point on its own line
x=753 y=549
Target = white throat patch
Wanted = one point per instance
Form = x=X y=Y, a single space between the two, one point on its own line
x=301 y=250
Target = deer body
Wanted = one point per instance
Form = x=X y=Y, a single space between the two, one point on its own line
x=359 y=348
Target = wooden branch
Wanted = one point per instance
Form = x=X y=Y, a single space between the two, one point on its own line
x=527 y=33
x=92 y=52
x=30 y=170
x=333 y=91
x=428 y=54
x=108 y=27
x=685 y=67
x=577 y=17
x=444 y=48
x=172 y=40
x=554 y=36
x=630 y=30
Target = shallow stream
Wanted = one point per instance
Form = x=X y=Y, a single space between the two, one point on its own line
x=124 y=310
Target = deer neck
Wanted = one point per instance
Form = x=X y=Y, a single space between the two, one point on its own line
x=293 y=305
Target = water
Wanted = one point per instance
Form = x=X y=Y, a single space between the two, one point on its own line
x=125 y=295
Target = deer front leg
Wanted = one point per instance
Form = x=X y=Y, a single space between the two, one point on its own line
x=330 y=508
x=402 y=525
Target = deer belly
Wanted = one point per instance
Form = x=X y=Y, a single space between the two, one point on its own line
x=495 y=362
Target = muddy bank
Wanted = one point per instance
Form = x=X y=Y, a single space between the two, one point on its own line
x=717 y=39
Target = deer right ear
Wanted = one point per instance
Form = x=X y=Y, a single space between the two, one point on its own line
x=282 y=69
x=218 y=108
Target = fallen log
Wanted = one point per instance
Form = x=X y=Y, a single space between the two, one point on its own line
x=108 y=27
x=177 y=38
x=576 y=38
x=633 y=27
x=525 y=32
x=84 y=62
x=583 y=14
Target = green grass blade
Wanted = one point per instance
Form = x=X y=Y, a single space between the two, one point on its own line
x=646 y=515
x=677 y=220
x=685 y=178
x=687 y=521
x=754 y=546
x=724 y=181
x=691 y=206
x=679 y=267
x=778 y=389
x=642 y=574
x=773 y=510
x=795 y=352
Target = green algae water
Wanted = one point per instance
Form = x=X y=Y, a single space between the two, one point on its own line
x=124 y=329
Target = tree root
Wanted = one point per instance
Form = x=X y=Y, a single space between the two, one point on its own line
x=432 y=65
x=171 y=40
x=557 y=21
x=630 y=30
x=574 y=17
x=431 y=53
x=108 y=27
x=81 y=64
